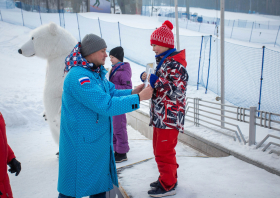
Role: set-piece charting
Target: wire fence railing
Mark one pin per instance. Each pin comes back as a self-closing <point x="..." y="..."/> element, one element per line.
<point x="251" y="74"/>
<point x="208" y="114"/>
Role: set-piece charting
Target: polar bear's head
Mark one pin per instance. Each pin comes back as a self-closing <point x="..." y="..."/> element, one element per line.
<point x="47" y="42"/>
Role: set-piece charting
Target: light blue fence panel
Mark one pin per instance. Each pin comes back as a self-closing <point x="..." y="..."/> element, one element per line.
<point x="88" y="26"/>
<point x="271" y="82"/>
<point x="136" y="44"/>
<point x="50" y="17"/>
<point x="242" y="73"/>
<point x="31" y="19"/>
<point x="12" y="16"/>
<point x="110" y="33"/>
<point x="71" y="24"/>
<point x="264" y="36"/>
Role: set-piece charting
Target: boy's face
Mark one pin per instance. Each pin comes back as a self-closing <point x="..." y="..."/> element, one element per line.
<point x="114" y="60"/>
<point x="159" y="49"/>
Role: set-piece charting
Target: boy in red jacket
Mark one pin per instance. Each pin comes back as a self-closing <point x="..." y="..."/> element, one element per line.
<point x="7" y="157"/>
<point x="167" y="111"/>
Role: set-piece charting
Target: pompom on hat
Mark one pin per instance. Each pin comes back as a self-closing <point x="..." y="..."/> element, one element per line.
<point x="163" y="35"/>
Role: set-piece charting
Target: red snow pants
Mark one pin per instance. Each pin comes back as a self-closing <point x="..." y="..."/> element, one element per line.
<point x="164" y="143"/>
<point x="6" y="155"/>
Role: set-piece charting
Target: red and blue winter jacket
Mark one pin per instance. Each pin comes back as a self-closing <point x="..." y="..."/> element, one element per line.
<point x="169" y="97"/>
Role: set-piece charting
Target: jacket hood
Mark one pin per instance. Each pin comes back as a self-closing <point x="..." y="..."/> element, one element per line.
<point x="179" y="57"/>
<point x="75" y="59"/>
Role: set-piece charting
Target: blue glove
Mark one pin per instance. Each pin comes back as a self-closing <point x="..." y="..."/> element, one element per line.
<point x="153" y="80"/>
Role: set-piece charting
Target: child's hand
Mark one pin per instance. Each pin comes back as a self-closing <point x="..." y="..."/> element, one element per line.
<point x="144" y="76"/>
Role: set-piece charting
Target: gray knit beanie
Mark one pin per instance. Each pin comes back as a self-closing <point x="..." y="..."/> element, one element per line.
<point x="92" y="43"/>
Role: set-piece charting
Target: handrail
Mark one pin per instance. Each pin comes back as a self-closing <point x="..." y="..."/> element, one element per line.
<point x="241" y="113"/>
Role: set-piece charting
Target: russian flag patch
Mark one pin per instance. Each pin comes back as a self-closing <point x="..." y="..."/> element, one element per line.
<point x="84" y="80"/>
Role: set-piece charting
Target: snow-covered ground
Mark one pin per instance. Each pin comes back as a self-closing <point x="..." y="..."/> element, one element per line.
<point x="21" y="93"/>
<point x="199" y="177"/>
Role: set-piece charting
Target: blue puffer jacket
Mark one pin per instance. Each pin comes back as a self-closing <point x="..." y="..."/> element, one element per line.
<point x="86" y="159"/>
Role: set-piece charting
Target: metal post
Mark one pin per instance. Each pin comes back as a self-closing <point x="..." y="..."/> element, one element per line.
<point x="63" y="18"/>
<point x="222" y="62"/>
<point x="120" y="34"/>
<point x="194" y="111"/>
<point x="232" y="28"/>
<point x="188" y="9"/>
<point x="60" y="17"/>
<point x="1" y="16"/>
<point x="199" y="63"/>
<point x="40" y="14"/>
<point x="277" y="36"/>
<point x="208" y="65"/>
<point x="177" y="25"/>
<point x="99" y="27"/>
<point x="251" y="32"/>
<point x="22" y="13"/>
<point x="78" y="26"/>
<point x="261" y="82"/>
<point x="252" y="126"/>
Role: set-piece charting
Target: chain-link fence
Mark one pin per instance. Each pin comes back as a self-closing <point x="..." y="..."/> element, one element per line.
<point x="251" y="74"/>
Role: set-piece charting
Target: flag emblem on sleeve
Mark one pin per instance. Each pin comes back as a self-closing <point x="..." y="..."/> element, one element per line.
<point x="84" y="80"/>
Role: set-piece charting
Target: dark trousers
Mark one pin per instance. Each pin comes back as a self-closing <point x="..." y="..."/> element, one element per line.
<point x="100" y="195"/>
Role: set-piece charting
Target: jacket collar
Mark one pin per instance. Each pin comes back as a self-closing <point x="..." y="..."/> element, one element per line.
<point x="75" y="59"/>
<point x="179" y="56"/>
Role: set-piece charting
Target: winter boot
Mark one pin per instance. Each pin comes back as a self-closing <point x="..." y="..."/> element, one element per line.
<point x="154" y="184"/>
<point x="115" y="154"/>
<point x="121" y="157"/>
<point x="159" y="191"/>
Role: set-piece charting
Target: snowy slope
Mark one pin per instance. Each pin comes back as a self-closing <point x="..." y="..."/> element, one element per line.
<point x="21" y="93"/>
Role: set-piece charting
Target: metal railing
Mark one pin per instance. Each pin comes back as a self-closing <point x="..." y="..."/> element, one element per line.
<point x="205" y="113"/>
<point x="213" y="117"/>
<point x="197" y="116"/>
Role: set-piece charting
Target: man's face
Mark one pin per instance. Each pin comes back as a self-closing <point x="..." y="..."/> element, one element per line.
<point x="98" y="58"/>
<point x="159" y="49"/>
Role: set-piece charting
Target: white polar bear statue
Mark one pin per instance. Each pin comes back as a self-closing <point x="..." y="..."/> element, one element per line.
<point x="52" y="43"/>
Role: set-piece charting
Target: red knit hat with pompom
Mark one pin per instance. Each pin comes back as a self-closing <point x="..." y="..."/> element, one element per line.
<point x="163" y="35"/>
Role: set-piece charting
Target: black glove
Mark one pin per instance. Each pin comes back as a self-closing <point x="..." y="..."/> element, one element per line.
<point x="15" y="166"/>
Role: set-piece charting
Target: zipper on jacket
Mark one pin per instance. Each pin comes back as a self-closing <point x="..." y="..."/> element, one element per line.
<point x="97" y="118"/>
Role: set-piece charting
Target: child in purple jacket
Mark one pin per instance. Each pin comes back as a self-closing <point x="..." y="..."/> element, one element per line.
<point x="120" y="75"/>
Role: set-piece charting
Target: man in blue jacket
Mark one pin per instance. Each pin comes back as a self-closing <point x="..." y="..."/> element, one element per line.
<point x="89" y="100"/>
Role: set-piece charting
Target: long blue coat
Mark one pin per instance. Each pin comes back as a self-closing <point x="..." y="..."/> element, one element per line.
<point x="86" y="159"/>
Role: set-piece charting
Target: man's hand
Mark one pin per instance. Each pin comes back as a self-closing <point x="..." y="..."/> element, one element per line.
<point x="15" y="166"/>
<point x="146" y="93"/>
<point x="144" y="76"/>
<point x="138" y="89"/>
